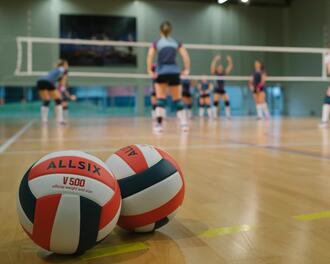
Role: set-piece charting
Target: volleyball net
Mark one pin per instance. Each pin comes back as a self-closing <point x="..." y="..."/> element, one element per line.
<point x="127" y="60"/>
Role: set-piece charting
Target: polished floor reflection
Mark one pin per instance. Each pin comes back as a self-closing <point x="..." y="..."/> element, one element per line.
<point x="246" y="182"/>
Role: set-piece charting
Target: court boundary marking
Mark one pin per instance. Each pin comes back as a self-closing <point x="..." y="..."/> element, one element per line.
<point x="16" y="136"/>
<point x="231" y="144"/>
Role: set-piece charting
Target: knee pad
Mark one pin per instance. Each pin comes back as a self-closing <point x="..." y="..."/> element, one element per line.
<point x="216" y="104"/>
<point x="227" y="103"/>
<point x="179" y="105"/>
<point x="45" y="103"/>
<point x="327" y="100"/>
<point x="161" y="103"/>
<point x="58" y="101"/>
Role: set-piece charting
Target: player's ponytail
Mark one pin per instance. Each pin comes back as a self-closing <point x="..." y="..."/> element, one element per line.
<point x="262" y="65"/>
<point x="61" y="63"/>
<point x="166" y="28"/>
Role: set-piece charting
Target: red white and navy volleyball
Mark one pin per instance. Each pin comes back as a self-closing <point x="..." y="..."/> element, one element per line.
<point x="68" y="201"/>
<point x="152" y="186"/>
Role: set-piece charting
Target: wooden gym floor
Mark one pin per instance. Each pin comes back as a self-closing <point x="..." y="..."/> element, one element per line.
<point x="257" y="192"/>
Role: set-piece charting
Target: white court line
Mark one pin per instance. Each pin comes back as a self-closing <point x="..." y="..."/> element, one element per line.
<point x="216" y="146"/>
<point x="12" y="139"/>
<point x="83" y="138"/>
<point x="176" y="147"/>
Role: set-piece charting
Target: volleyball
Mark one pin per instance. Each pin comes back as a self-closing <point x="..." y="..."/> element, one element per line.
<point x="152" y="186"/>
<point x="68" y="201"/>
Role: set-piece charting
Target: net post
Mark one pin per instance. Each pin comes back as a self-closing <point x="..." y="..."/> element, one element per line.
<point x="29" y="56"/>
<point x="19" y="56"/>
<point x="324" y="66"/>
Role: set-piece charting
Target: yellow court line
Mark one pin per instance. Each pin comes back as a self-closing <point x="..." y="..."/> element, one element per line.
<point x="313" y="216"/>
<point x="114" y="250"/>
<point x="225" y="231"/>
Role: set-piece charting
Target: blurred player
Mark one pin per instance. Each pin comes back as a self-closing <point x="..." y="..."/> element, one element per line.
<point x="220" y="93"/>
<point x="205" y="88"/>
<point x="46" y="87"/>
<point x="257" y="86"/>
<point x="187" y="96"/>
<point x="168" y="74"/>
<point x="66" y="97"/>
<point x="326" y="103"/>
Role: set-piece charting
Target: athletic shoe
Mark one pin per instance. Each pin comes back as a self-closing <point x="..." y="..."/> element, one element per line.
<point x="158" y="128"/>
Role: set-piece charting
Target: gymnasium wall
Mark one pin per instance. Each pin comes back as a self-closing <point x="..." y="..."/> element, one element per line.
<point x="307" y="26"/>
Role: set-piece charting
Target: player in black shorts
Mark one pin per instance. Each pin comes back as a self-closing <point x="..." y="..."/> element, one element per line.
<point x="168" y="74"/>
<point x="220" y="93"/>
<point x="187" y="96"/>
<point x="47" y="90"/>
<point x="205" y="87"/>
<point x="257" y="86"/>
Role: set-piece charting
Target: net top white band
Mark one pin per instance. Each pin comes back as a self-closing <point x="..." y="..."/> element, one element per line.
<point x="188" y="46"/>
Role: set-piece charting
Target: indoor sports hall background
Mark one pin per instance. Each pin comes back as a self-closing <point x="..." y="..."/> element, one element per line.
<point x="303" y="23"/>
<point x="250" y="188"/>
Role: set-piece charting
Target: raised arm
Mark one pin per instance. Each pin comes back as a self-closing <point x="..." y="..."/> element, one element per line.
<point x="186" y="60"/>
<point x="230" y="65"/>
<point x="214" y="63"/>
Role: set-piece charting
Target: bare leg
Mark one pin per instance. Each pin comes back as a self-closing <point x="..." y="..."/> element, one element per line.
<point x="161" y="90"/>
<point x="58" y="106"/>
<point x="209" y="108"/>
<point x="216" y="105"/>
<point x="258" y="105"/>
<point x="201" y="107"/>
<point x="176" y="92"/>
<point x="264" y="105"/>
<point x="153" y="105"/>
<point x="188" y="103"/>
<point x="44" y="110"/>
<point x="225" y="98"/>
